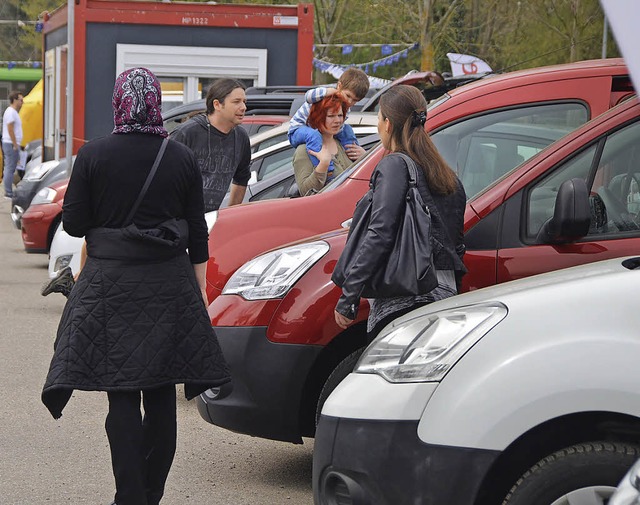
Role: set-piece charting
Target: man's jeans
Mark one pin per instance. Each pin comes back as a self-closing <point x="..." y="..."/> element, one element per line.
<point x="10" y="156"/>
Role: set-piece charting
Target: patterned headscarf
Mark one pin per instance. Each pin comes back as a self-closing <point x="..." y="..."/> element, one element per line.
<point x="136" y="103"/>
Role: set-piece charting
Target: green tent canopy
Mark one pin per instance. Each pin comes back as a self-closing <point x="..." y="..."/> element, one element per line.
<point x="20" y="74"/>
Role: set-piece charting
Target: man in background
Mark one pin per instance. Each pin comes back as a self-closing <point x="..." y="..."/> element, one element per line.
<point x="11" y="139"/>
<point x="220" y="144"/>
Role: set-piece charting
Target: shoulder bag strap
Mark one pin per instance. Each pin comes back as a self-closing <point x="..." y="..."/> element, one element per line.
<point x="413" y="169"/>
<point x="145" y="187"/>
<point x="431" y="205"/>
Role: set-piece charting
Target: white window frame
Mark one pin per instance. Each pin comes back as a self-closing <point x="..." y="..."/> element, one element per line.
<point x="192" y="63"/>
<point x="50" y="100"/>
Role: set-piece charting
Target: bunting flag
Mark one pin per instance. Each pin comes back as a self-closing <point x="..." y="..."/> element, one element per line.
<point x="336" y="70"/>
<point x="463" y="64"/>
<point x="14" y="64"/>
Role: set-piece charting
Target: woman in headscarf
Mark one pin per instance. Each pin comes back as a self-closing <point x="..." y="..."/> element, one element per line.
<point x="136" y="323"/>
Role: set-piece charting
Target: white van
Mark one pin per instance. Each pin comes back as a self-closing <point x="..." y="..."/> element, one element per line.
<point x="526" y="393"/>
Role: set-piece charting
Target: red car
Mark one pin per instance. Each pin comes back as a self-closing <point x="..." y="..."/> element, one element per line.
<point x="552" y="101"/>
<point x="39" y="222"/>
<point x="275" y="319"/>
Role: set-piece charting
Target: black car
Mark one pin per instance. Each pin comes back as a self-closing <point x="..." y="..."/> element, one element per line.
<point x="261" y="101"/>
<point x="39" y="177"/>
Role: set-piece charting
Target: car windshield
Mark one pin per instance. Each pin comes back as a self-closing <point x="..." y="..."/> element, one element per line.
<point x="347" y="173"/>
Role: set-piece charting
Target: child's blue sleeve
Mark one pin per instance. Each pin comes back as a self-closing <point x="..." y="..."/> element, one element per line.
<point x="302" y="114"/>
<point x="315" y="95"/>
<point x="346" y="136"/>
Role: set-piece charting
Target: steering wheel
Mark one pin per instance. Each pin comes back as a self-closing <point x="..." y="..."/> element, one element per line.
<point x="633" y="178"/>
<point x="617" y="211"/>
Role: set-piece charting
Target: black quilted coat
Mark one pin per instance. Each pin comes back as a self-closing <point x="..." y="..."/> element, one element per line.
<point x="132" y="324"/>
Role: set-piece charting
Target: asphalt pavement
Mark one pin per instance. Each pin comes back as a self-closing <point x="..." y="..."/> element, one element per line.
<point x="49" y="462"/>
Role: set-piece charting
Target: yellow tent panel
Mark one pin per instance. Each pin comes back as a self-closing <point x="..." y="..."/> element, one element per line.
<point x="32" y="114"/>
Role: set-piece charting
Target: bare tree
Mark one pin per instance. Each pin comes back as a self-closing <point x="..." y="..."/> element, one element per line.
<point x="570" y="21"/>
<point x="328" y="16"/>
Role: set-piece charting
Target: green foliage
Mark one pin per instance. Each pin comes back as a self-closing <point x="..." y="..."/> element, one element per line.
<point x="17" y="42"/>
<point x="507" y="34"/>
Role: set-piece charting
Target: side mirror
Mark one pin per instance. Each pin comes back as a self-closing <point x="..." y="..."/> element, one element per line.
<point x="571" y="215"/>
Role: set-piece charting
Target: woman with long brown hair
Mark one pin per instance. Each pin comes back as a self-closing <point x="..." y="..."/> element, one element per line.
<point x="401" y="120"/>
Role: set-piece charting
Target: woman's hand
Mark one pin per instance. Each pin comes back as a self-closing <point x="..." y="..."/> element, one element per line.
<point x="324" y="158"/>
<point x="205" y="298"/>
<point x="354" y="151"/>
<point x="341" y="320"/>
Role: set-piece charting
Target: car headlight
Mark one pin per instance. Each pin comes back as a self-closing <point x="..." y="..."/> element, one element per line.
<point x="628" y="492"/>
<point x="272" y="274"/>
<point x="62" y="261"/>
<point x="425" y="348"/>
<point x="45" y="195"/>
<point x="41" y="170"/>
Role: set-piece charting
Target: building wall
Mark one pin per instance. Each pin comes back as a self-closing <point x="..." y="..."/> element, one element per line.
<point x="56" y="38"/>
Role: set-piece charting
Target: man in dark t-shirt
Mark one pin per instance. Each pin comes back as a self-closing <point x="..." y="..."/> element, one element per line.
<point x="220" y="145"/>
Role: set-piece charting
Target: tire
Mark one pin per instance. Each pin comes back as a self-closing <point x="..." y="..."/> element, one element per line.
<point x="592" y="468"/>
<point x="344" y="368"/>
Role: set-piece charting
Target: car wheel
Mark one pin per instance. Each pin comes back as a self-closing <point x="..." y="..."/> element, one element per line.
<point x="583" y="474"/>
<point x="344" y="368"/>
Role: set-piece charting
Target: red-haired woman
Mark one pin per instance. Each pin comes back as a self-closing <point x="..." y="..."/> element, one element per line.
<point x="326" y="116"/>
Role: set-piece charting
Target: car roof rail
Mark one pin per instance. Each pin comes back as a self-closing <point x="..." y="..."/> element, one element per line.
<point x="267" y="90"/>
<point x="433" y="92"/>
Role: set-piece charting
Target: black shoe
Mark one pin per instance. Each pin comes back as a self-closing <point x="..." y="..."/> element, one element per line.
<point x="61" y="283"/>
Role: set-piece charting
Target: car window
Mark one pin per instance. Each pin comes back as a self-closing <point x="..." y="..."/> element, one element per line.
<point x="276" y="191"/>
<point x="172" y="123"/>
<point x="269" y="142"/>
<point x="614" y="186"/>
<point x="276" y="162"/>
<point x="486" y="147"/>
<point x="350" y="170"/>
<point x="282" y="160"/>
<point x="542" y="197"/>
<point x="264" y="127"/>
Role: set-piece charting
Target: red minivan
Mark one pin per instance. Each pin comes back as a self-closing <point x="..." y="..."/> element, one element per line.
<point x="275" y="319"/>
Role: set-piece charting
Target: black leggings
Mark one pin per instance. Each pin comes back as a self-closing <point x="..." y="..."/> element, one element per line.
<point x="142" y="449"/>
